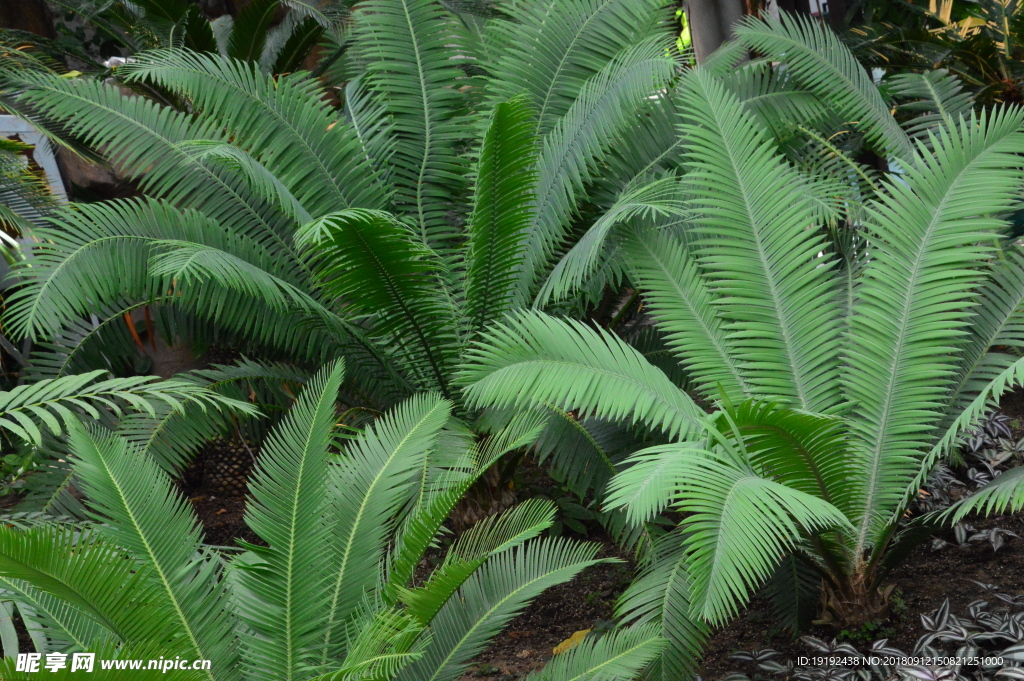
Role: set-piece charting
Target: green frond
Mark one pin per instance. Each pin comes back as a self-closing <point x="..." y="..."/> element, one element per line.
<point x="487" y="538"/>
<point x="969" y="417"/>
<point x="1005" y="494"/>
<point x="682" y="302"/>
<point x="490" y="598"/>
<point x="930" y="233"/>
<point x="774" y="98"/>
<point x="436" y="498"/>
<point x="620" y="654"/>
<point x="172" y="437"/>
<point x="533" y="359"/>
<point x="998" y="322"/>
<point x="651" y="479"/>
<point x="772" y="288"/>
<point x="282" y="121"/>
<point x="820" y="62"/>
<point x="739" y="525"/>
<point x="794" y="592"/>
<point x="140" y="511"/>
<point x="937" y="99"/>
<point x="92" y="575"/>
<point x="379" y="267"/>
<point x="384" y="646"/>
<point x="582" y="455"/>
<point x="664" y="198"/>
<point x="52" y="622"/>
<point x="808" y="452"/>
<point x="605" y="107"/>
<point x="55" y="401"/>
<point x="411" y="54"/>
<point x="142" y="140"/>
<point x="282" y="589"/>
<point x="502" y="210"/>
<point x="249" y="30"/>
<point x="260" y="179"/>
<point x="369" y="121"/>
<point x="550" y="49"/>
<point x="372" y="480"/>
<point x="662" y="593"/>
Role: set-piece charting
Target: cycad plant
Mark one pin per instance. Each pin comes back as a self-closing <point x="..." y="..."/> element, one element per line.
<point x="841" y="359"/>
<point x="979" y="41"/>
<point x="389" y="230"/>
<point x="277" y="35"/>
<point x="331" y="590"/>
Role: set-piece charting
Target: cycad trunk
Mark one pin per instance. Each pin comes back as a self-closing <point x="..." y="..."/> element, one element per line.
<point x="857" y="601"/>
<point x="711" y="23"/>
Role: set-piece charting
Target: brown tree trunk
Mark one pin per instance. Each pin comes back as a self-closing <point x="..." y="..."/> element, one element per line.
<point x="793" y="6"/>
<point x="837" y="14"/>
<point x="27" y="15"/>
<point x="711" y="23"/>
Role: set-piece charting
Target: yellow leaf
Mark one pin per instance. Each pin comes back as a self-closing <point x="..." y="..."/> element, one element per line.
<point x="571" y="642"/>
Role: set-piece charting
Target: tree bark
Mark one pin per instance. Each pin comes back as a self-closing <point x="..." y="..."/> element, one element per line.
<point x="711" y="24"/>
<point x="801" y="6"/>
<point x="27" y="15"/>
<point x="837" y="14"/>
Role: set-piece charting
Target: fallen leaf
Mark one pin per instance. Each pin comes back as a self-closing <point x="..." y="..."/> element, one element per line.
<point x="571" y="642"/>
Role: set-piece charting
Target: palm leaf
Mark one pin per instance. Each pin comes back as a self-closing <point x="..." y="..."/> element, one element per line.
<point x="54" y="401"/>
<point x="141" y="512"/>
<point x="502" y="209"/>
<point x="534" y="359"/>
<point x="772" y="288"/>
<point x="410" y="49"/>
<point x="620" y="654"/>
<point x="550" y="49"/>
<point x="284" y="606"/>
<point x="821" y="63"/>
<point x="372" y="481"/>
<point x="681" y="299"/>
<point x="377" y="265"/>
<point x="283" y="122"/>
<point x="570" y="152"/>
<point x="490" y="598"/>
<point x="929" y="233"/>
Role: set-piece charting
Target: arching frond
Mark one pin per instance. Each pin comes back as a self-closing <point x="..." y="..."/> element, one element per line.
<point x="1005" y="494"/>
<point x="682" y="302"/>
<point x="502" y="209"/>
<point x="618" y="655"/>
<point x="282" y="586"/>
<point x="820" y="62"/>
<point x="533" y="359"/>
<point x="142" y="139"/>
<point x="411" y="51"/>
<point x="495" y="594"/>
<point x="937" y="99"/>
<point x="551" y="48"/>
<point x="380" y="267"/>
<point x="141" y="512"/>
<point x="284" y="122"/>
<point x="661" y="198"/>
<point x="55" y="401"/>
<point x="662" y="593"/>
<point x="739" y="525"/>
<point x="930" y="232"/>
<point x="605" y="106"/>
<point x="773" y="289"/>
<point x="369" y="484"/>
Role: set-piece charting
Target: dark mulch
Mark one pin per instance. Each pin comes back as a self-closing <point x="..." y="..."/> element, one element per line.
<point x="922" y="584"/>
